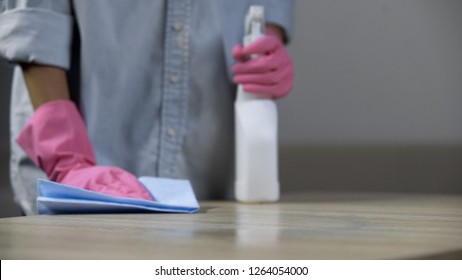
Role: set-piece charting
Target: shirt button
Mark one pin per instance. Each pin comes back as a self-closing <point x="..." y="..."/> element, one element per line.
<point x="174" y="79"/>
<point x="171" y="132"/>
<point x="177" y="26"/>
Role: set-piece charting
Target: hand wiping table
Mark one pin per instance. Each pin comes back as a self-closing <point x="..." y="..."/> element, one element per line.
<point x="170" y="195"/>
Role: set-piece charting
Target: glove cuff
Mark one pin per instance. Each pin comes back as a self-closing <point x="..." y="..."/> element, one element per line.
<point x="55" y="138"/>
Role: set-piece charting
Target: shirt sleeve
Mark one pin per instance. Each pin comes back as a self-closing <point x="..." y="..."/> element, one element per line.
<point x="33" y="31"/>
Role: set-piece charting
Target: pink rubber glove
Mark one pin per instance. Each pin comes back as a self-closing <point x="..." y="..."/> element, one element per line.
<point x="270" y="73"/>
<point x="56" y="140"/>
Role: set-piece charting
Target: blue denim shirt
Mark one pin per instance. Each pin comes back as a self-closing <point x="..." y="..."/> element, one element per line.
<point x="151" y="78"/>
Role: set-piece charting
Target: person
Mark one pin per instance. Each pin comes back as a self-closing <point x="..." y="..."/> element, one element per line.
<point x="107" y="90"/>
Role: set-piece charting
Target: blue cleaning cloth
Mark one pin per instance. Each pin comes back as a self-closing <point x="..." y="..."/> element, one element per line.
<point x="170" y="195"/>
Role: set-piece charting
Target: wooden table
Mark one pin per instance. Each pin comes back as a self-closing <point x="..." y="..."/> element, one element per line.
<point x="302" y="226"/>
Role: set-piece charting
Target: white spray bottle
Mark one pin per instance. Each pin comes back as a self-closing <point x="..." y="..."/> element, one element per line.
<point x="256" y="132"/>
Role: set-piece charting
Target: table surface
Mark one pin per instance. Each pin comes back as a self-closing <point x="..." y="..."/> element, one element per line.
<point x="301" y="226"/>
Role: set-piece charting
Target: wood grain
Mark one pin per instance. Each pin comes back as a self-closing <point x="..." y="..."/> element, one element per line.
<point x="301" y="226"/>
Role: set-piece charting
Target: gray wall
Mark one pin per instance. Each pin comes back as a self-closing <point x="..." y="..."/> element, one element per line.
<point x="376" y="72"/>
<point x="5" y="78"/>
<point x="7" y="206"/>
<point x="377" y="103"/>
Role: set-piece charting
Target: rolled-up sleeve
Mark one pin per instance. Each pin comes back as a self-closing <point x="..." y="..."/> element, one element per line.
<point x="36" y="32"/>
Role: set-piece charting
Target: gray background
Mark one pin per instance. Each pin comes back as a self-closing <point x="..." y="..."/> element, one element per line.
<point x="376" y="71"/>
<point x="377" y="103"/>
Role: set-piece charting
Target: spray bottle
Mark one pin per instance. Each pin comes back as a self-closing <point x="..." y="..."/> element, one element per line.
<point x="256" y="132"/>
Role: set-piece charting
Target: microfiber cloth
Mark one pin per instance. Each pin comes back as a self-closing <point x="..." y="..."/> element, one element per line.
<point x="170" y="195"/>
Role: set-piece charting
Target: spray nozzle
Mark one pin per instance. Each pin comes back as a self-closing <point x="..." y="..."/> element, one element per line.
<point x="255" y="20"/>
